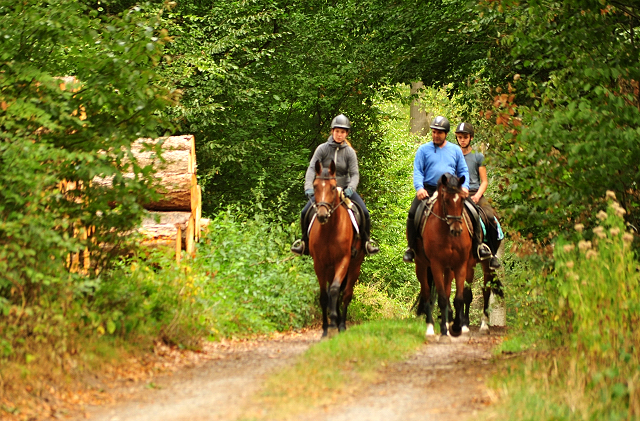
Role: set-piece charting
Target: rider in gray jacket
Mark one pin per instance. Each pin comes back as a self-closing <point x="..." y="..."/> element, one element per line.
<point x="338" y="149"/>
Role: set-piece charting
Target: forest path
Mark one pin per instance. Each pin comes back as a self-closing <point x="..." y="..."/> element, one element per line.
<point x="443" y="380"/>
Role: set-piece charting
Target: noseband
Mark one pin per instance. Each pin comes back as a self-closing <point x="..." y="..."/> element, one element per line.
<point x="329" y="206"/>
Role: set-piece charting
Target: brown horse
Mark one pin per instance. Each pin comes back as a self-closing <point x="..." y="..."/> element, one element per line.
<point x="490" y="284"/>
<point x="444" y="251"/>
<point x="336" y="251"/>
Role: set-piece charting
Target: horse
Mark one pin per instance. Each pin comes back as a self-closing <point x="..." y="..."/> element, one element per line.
<point x="443" y="253"/>
<point x="335" y="248"/>
<point x="490" y="284"/>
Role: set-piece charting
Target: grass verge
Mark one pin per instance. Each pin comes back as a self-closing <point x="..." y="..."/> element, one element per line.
<point x="330" y="369"/>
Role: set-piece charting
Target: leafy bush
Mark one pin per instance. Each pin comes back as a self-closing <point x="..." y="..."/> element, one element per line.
<point x="589" y="307"/>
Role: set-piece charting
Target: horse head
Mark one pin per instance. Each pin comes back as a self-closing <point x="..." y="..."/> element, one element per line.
<point x="451" y="195"/>
<point x="325" y="190"/>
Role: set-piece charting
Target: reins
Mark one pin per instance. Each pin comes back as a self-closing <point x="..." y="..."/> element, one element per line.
<point x="449" y="219"/>
<point x="329" y="206"/>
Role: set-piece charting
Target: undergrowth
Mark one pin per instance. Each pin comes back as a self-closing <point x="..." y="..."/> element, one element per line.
<point x="582" y="359"/>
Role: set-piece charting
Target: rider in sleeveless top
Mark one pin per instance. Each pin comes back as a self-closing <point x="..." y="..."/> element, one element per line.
<point x="432" y="160"/>
<point x="478" y="180"/>
<point x="338" y="149"/>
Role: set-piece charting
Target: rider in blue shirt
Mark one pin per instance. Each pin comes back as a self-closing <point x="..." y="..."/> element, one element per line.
<point x="432" y="160"/>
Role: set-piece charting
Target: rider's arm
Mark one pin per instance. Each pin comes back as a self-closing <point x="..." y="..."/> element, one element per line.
<point x="418" y="174"/>
<point x="354" y="172"/>
<point x="484" y="181"/>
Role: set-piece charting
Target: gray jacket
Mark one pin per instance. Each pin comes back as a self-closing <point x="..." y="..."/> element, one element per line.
<point x="347" y="173"/>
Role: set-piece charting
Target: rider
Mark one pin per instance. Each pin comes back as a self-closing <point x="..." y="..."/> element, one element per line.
<point x="432" y="160"/>
<point x="478" y="180"/>
<point x="338" y="149"/>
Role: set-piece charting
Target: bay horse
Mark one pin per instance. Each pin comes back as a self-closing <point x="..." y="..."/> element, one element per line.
<point x="490" y="284"/>
<point x="336" y="250"/>
<point x="443" y="251"/>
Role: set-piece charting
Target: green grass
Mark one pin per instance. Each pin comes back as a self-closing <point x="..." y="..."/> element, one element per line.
<point x="331" y="368"/>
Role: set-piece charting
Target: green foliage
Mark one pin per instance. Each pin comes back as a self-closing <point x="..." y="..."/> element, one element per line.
<point x="261" y="82"/>
<point x="250" y="282"/>
<point x="591" y="308"/>
<point x="575" y="69"/>
<point x="56" y="130"/>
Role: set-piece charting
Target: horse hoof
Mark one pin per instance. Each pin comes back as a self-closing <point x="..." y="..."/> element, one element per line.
<point x="342" y="327"/>
<point x="444" y="339"/>
<point x="484" y="328"/>
<point x="430" y="332"/>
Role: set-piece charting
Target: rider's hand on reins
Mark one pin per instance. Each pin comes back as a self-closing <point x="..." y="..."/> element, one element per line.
<point x="422" y="194"/>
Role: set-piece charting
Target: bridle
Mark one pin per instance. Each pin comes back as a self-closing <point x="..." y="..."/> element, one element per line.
<point x="329" y="206"/>
<point x="449" y="219"/>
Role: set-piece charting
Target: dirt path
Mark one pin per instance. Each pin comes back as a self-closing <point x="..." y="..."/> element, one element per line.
<point x="439" y="382"/>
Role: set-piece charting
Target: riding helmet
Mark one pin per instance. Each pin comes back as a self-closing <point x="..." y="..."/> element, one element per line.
<point x="465" y="128"/>
<point x="341" y="121"/>
<point x="440" y="123"/>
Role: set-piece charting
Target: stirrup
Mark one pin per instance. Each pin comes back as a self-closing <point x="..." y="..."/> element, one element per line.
<point x="298" y="247"/>
<point x="484" y="252"/>
<point x="371" y="247"/>
<point x="409" y="255"/>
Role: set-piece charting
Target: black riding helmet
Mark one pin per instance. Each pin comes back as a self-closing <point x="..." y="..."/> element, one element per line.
<point x="341" y="121"/>
<point x="465" y="128"/>
<point x="440" y="123"/>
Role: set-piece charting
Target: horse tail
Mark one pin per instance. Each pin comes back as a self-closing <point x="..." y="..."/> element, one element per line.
<point x="419" y="305"/>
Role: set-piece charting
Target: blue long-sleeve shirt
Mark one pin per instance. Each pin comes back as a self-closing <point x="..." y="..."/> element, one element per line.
<point x="431" y="162"/>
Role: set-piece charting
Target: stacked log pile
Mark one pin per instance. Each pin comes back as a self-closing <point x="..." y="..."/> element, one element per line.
<point x="176" y="217"/>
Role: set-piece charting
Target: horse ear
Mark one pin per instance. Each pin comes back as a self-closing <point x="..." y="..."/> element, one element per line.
<point x="318" y="167"/>
<point x="332" y="167"/>
<point x="462" y="180"/>
<point x="443" y="180"/>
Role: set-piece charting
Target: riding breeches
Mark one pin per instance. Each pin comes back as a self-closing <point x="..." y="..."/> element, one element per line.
<point x="365" y="232"/>
<point x="412" y="230"/>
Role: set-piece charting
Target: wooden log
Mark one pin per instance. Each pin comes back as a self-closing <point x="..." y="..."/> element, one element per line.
<point x="179" y="152"/>
<point x="165" y="225"/>
<point x="198" y="213"/>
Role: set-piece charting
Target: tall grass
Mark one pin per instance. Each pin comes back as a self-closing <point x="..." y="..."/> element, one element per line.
<point x="587" y="365"/>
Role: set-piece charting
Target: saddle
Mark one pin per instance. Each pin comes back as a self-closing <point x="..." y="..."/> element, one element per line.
<point x="425" y="207"/>
<point x="355" y="215"/>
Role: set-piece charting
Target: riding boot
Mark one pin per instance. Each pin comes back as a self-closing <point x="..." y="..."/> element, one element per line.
<point x="483" y="252"/>
<point x="300" y="246"/>
<point x="370" y="245"/>
<point x="410" y="254"/>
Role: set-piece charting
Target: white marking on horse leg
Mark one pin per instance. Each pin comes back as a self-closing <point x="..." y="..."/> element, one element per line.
<point x="465" y="330"/>
<point x="484" y="327"/>
<point x="430" y="331"/>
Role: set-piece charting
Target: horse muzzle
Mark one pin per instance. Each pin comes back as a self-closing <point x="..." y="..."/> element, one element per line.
<point x="455" y="229"/>
<point x="322" y="217"/>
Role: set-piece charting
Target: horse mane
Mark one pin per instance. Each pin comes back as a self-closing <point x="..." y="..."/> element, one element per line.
<point x="453" y="183"/>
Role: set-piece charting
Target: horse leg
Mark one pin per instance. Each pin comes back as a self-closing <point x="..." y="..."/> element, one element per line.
<point x="425" y="277"/>
<point x="458" y="300"/>
<point x="352" y="277"/>
<point x="334" y="292"/>
<point x="468" y="297"/>
<point x="486" y="295"/>
<point x="324" y="301"/>
<point x="443" y="298"/>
